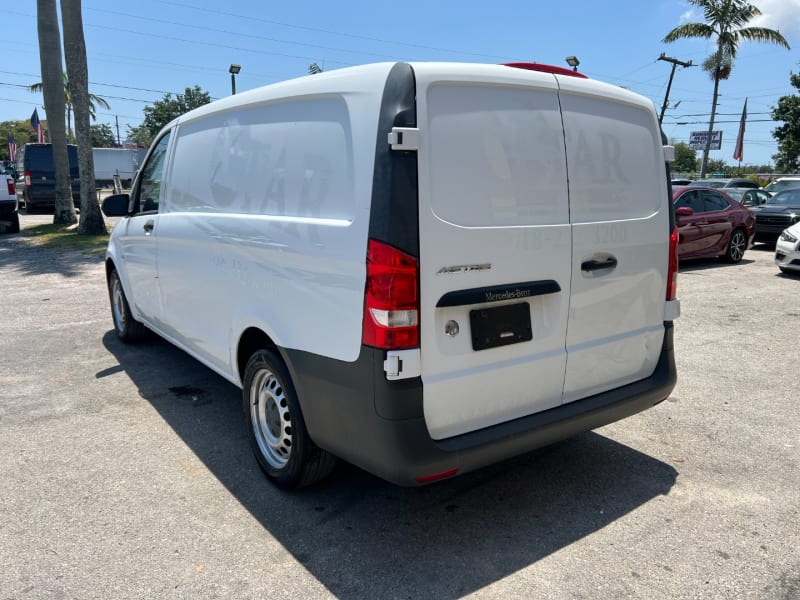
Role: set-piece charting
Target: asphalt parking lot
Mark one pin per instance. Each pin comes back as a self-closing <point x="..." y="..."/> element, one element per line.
<point x="126" y="472"/>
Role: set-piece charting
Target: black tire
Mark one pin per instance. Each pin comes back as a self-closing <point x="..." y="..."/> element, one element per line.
<point x="736" y="246"/>
<point x="14" y="226"/>
<point x="127" y="328"/>
<point x="275" y="425"/>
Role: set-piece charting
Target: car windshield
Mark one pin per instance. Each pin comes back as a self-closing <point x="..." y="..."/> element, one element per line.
<point x="779" y="186"/>
<point x="735" y="194"/>
<point x="713" y="183"/>
<point x="787" y="198"/>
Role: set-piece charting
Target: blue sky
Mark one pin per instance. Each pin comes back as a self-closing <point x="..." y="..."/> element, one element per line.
<point x="138" y="51"/>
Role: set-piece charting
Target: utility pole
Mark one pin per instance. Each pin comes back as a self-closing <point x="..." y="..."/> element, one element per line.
<point x="675" y="62"/>
<point x="116" y="119"/>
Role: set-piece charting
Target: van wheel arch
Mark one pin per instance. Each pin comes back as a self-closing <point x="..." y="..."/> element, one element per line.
<point x="252" y="340"/>
<point x="275" y="425"/>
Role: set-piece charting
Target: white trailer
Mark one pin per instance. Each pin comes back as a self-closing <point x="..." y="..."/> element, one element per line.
<point x="116" y="161"/>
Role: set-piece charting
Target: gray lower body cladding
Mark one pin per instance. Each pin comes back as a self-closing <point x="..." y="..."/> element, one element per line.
<point x="352" y="411"/>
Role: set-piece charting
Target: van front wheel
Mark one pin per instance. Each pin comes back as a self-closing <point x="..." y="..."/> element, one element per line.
<point x="126" y="327"/>
<point x="275" y="425"/>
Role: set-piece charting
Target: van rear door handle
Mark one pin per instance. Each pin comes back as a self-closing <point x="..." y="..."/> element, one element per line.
<point x="148" y="226"/>
<point x="597" y="265"/>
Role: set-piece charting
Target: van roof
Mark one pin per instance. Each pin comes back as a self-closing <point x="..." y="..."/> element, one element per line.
<point x="370" y="79"/>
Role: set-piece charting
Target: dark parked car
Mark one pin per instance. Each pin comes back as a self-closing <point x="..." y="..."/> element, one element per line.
<point x="711" y="223"/>
<point x="782" y="211"/>
<point x="731" y="182"/>
<point x="35" y="166"/>
<point x="748" y="197"/>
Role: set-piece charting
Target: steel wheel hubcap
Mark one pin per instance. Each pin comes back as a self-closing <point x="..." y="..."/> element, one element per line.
<point x="272" y="423"/>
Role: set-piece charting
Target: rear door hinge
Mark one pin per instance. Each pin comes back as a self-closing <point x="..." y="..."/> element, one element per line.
<point x="402" y="364"/>
<point x="404" y="138"/>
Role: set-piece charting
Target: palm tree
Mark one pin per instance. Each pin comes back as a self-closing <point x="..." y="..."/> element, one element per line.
<point x="93" y="100"/>
<point x="726" y="20"/>
<point x="50" y="60"/>
<point x="91" y="221"/>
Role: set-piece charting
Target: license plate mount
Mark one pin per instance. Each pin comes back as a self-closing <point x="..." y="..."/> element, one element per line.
<point x="500" y="325"/>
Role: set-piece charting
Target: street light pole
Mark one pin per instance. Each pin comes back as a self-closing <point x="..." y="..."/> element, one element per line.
<point x="234" y="71"/>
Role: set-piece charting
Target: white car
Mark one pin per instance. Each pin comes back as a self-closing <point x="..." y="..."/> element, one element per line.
<point x="787" y="250"/>
<point x="9" y="209"/>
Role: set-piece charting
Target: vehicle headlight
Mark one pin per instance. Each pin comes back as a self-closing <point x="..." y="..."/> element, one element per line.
<point x="788" y="237"/>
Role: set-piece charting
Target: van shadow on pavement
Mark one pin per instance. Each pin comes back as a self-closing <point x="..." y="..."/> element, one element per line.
<point x="362" y="537"/>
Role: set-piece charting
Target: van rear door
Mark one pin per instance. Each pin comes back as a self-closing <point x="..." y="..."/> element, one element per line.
<point x="619" y="210"/>
<point x="495" y="245"/>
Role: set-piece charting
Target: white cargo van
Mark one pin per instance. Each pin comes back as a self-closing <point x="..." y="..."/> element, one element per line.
<point x="420" y="268"/>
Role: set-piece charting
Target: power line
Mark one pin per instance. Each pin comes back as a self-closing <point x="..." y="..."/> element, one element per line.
<point x="328" y="31"/>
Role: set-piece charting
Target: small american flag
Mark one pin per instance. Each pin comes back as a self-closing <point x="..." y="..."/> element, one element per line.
<point x="12" y="149"/>
<point x="37" y="125"/>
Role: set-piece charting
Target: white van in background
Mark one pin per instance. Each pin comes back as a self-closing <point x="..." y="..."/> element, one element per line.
<point x="420" y="268"/>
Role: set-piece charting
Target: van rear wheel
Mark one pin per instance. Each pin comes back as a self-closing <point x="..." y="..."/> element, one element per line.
<point x="276" y="428"/>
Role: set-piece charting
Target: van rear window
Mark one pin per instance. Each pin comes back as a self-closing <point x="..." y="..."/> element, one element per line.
<point x="496" y="155"/>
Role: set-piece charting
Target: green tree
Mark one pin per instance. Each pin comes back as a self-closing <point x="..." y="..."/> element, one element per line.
<point x="787" y="160"/>
<point x="726" y="21"/>
<point x="53" y="89"/>
<point x="69" y="105"/>
<point x="21" y="131"/>
<point x="139" y="135"/>
<point x="103" y="136"/>
<point x="717" y="165"/>
<point x="685" y="158"/>
<point x="91" y="219"/>
<point x="168" y="108"/>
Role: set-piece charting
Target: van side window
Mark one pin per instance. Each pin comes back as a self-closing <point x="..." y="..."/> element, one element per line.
<point x="152" y="172"/>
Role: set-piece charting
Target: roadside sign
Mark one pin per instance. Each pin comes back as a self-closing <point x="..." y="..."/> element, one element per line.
<point x="697" y="140"/>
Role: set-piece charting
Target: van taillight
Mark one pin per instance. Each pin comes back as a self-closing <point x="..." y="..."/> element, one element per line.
<point x="12" y="190"/>
<point x="672" y="275"/>
<point x="391" y="298"/>
<point x="27" y="179"/>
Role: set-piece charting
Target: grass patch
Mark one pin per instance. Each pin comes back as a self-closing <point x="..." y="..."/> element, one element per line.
<point x="67" y="238"/>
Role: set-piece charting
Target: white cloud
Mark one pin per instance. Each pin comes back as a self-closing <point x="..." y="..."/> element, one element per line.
<point x="690" y="16"/>
<point x="783" y="15"/>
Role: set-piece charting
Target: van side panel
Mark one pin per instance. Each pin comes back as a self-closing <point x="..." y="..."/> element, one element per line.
<point x="619" y="210"/>
<point x="268" y="207"/>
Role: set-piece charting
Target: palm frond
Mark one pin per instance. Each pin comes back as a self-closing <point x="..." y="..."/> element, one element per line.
<point x="689" y="30"/>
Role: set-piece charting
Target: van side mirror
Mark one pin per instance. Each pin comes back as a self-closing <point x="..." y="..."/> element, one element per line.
<point x="116" y="205"/>
<point x="684" y="211"/>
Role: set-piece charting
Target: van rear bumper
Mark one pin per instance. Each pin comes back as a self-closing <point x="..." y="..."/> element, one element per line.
<point x="352" y="411"/>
